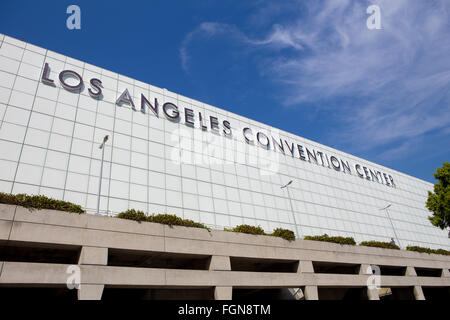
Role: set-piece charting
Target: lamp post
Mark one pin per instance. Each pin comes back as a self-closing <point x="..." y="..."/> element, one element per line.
<point x="390" y="220"/>
<point x="292" y="208"/>
<point x="102" y="147"/>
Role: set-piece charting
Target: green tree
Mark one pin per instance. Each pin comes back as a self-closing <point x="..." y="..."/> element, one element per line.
<point x="438" y="201"/>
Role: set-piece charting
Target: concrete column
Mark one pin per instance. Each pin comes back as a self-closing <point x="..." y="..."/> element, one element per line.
<point x="220" y="263"/>
<point x="372" y="294"/>
<point x="94" y="256"/>
<point x="311" y="293"/>
<point x="90" y="292"/>
<point x="445" y="273"/>
<point x="305" y="266"/>
<point x="364" y="269"/>
<point x="418" y="293"/>
<point x="411" y="271"/>
<point x="223" y="293"/>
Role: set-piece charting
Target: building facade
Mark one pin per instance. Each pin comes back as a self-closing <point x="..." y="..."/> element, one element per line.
<point x="167" y="153"/>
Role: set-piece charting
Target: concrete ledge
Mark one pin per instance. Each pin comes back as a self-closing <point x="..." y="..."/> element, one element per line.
<point x="46" y="233"/>
<point x="85" y="221"/>
<point x="40" y="273"/>
<point x="33" y="273"/>
<point x="50" y="217"/>
<point x="5" y="229"/>
<point x="7" y="212"/>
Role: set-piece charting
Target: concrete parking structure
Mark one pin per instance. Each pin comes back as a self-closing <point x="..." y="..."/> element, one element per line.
<point x="120" y="258"/>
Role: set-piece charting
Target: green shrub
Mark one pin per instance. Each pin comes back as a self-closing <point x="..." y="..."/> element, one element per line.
<point x="173" y="220"/>
<point x="284" y="233"/>
<point x="278" y="232"/>
<point x="39" y="202"/>
<point x="245" y="228"/>
<point x="380" y="244"/>
<point x="167" y="219"/>
<point x="428" y="250"/>
<point x="327" y="238"/>
<point x="193" y="224"/>
<point x="133" y="215"/>
<point x="443" y="252"/>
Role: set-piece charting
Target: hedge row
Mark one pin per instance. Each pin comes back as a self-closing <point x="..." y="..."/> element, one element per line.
<point x="39" y="202"/>
<point x="284" y="233"/>
<point x="380" y="244"/>
<point x="278" y="232"/>
<point x="428" y="250"/>
<point x="173" y="220"/>
<point x="327" y="238"/>
<point x="168" y="219"/>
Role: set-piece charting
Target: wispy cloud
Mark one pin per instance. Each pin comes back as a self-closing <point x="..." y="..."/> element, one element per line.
<point x="207" y="30"/>
<point x="394" y="82"/>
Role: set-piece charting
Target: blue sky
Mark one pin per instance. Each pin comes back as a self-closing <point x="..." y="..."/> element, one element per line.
<point x="309" y="67"/>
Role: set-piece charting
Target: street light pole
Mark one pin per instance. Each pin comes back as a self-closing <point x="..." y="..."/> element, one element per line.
<point x="292" y="208"/>
<point x="102" y="147"/>
<point x="390" y="220"/>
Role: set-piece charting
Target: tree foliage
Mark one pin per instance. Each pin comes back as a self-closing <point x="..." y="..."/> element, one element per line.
<point x="439" y="201"/>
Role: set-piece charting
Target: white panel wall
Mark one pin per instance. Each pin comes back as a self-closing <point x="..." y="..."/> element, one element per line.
<point x="49" y="141"/>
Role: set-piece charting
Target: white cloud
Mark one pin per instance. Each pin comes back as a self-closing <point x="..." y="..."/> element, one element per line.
<point x="396" y="80"/>
<point x="208" y="30"/>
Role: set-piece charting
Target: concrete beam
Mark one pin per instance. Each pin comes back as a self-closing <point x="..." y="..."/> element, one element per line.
<point x="33" y="273"/>
<point x="7" y="212"/>
<point x="311" y="293"/>
<point x="220" y="263"/>
<point x="223" y="293"/>
<point x="418" y="293"/>
<point x="93" y="256"/>
<point x="41" y="273"/>
<point x="5" y="229"/>
<point x="90" y="292"/>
